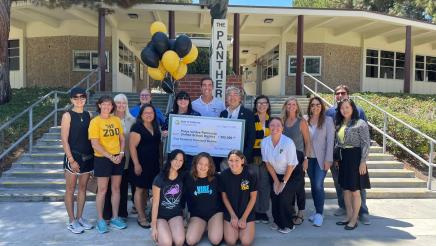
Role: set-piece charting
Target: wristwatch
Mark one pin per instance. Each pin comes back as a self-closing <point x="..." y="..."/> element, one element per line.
<point x="305" y="157"/>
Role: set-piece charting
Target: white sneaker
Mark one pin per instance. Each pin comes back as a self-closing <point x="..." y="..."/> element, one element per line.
<point x="318" y="220"/>
<point x="75" y="227"/>
<point x="85" y="224"/>
<point x="286" y="230"/>
<point x="274" y="226"/>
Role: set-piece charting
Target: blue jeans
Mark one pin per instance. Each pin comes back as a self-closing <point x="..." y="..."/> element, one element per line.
<point x="316" y="176"/>
<point x="340" y="194"/>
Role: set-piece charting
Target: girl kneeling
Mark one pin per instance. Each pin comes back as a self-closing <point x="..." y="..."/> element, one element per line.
<point x="239" y="190"/>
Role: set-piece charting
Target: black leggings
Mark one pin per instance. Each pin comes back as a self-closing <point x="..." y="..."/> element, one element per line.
<point x="300" y="195"/>
<point x="124" y="189"/>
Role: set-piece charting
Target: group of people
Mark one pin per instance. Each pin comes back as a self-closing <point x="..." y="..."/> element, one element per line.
<point x="225" y="196"/>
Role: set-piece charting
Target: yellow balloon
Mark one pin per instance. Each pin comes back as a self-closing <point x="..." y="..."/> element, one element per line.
<point x="181" y="71"/>
<point x="170" y="61"/>
<point x="155" y="73"/>
<point x="162" y="68"/>
<point x="191" y="56"/>
<point x="157" y="26"/>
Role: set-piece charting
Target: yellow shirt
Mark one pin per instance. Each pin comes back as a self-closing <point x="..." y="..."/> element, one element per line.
<point x="107" y="131"/>
<point x="341" y="134"/>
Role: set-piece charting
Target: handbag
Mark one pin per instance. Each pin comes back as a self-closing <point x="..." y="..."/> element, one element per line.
<point x="337" y="155"/>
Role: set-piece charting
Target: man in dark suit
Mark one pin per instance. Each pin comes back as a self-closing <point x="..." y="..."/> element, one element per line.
<point x="236" y="110"/>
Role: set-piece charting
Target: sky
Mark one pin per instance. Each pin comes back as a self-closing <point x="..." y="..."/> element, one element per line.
<point x="285" y="3"/>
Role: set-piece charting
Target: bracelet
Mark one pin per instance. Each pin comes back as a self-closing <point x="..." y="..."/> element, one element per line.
<point x="122" y="153"/>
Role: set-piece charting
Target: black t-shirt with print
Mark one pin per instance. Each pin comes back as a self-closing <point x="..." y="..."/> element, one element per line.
<point x="171" y="202"/>
<point x="202" y="196"/>
<point x="238" y="189"/>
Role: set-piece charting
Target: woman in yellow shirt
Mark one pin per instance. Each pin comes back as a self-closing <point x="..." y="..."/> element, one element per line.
<point x="107" y="138"/>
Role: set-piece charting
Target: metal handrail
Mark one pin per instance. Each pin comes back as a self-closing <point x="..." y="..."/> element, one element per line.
<point x="383" y="131"/>
<point x="29" y="110"/>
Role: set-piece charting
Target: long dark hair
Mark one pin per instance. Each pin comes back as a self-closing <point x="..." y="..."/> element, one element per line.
<point x="268" y="111"/>
<point x="239" y="154"/>
<point x="321" y="114"/>
<point x="171" y="156"/>
<point x="154" y="123"/>
<point x="106" y="98"/>
<point x="339" y="119"/>
<point x="178" y="96"/>
<point x="211" y="167"/>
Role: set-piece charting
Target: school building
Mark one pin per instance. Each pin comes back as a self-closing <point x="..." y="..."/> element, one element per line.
<point x="273" y="46"/>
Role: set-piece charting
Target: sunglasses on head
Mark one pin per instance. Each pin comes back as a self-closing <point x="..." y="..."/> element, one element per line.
<point x="79" y="97"/>
<point x="183" y="98"/>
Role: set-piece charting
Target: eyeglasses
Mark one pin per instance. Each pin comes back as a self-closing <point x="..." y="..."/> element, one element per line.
<point x="145" y="95"/>
<point x="183" y="98"/>
<point x="315" y="105"/>
<point x="342" y="93"/>
<point x="262" y="103"/>
<point x="77" y="97"/>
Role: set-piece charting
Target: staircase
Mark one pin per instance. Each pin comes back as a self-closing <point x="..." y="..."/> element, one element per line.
<point x="39" y="176"/>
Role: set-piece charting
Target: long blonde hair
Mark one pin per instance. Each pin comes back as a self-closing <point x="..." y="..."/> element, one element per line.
<point x="285" y="114"/>
<point x="121" y="97"/>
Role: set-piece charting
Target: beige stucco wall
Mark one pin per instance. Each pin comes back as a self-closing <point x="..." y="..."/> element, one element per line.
<point x="49" y="60"/>
<point x="340" y="64"/>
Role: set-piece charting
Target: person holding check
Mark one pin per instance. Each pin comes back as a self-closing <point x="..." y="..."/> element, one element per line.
<point x="107" y="138"/>
<point x="279" y="154"/>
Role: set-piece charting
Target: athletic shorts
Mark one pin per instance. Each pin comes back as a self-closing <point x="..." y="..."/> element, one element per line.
<point x="86" y="166"/>
<point x="168" y="217"/>
<point x="103" y="167"/>
<point x="204" y="217"/>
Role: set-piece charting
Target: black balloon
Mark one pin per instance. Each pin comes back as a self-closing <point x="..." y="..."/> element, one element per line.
<point x="160" y="43"/>
<point x="171" y="44"/>
<point x="183" y="45"/>
<point x="168" y="85"/>
<point x="150" y="57"/>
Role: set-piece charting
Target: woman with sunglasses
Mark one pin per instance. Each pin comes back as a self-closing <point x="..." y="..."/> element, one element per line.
<point x="78" y="159"/>
<point x="182" y="105"/>
<point x="322" y="137"/>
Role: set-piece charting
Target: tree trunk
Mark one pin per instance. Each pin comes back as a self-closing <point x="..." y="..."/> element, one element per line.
<point x="5" y="85"/>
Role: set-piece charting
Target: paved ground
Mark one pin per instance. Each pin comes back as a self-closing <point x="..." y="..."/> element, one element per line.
<point x="395" y="222"/>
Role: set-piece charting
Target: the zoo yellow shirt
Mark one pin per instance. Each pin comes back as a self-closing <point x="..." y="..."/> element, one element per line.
<point x="107" y="131"/>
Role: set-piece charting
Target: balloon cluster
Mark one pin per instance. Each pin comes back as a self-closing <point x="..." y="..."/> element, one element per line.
<point x="163" y="55"/>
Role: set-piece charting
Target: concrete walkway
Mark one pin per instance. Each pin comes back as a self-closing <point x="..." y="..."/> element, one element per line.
<point x="394" y="222"/>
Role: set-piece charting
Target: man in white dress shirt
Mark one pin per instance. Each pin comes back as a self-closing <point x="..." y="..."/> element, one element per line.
<point x="207" y="104"/>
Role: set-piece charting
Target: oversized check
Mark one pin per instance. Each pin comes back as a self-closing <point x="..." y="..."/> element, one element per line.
<point x="195" y="134"/>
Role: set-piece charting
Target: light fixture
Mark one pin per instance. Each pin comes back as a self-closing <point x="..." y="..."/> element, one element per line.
<point x="133" y="16"/>
<point x="268" y="20"/>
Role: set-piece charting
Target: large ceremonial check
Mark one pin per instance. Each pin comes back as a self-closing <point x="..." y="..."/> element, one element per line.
<point x="195" y="134"/>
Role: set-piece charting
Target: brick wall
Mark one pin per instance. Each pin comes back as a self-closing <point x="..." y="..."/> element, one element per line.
<point x="191" y="83"/>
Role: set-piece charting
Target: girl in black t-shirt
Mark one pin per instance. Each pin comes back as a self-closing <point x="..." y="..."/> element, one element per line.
<point x="204" y="201"/>
<point x="239" y="192"/>
<point x="167" y="209"/>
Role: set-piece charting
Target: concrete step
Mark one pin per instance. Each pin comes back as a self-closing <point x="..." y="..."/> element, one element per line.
<point x="381" y="182"/>
<point x="47" y="156"/>
<point x="33" y="173"/>
<point x="38" y="164"/>
<point x="12" y="182"/>
<point x="52" y="148"/>
<point x="384" y="165"/>
<point x="43" y="195"/>
<point x="387" y="173"/>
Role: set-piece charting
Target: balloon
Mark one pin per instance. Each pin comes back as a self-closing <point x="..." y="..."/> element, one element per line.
<point x="150" y="57"/>
<point x="168" y="85"/>
<point x="155" y="73"/>
<point x="171" y="44"/>
<point x="191" y="56"/>
<point x="183" y="45"/>
<point x="170" y="61"/>
<point x="162" y="68"/>
<point x="160" y="43"/>
<point x="157" y="26"/>
<point x="181" y="71"/>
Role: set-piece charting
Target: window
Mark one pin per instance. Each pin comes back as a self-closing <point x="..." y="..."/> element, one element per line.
<point x="126" y="60"/>
<point x="384" y="64"/>
<point x="425" y="68"/>
<point x="87" y="60"/>
<point x="270" y="63"/>
<point x="14" y="54"/>
<point x="312" y="65"/>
